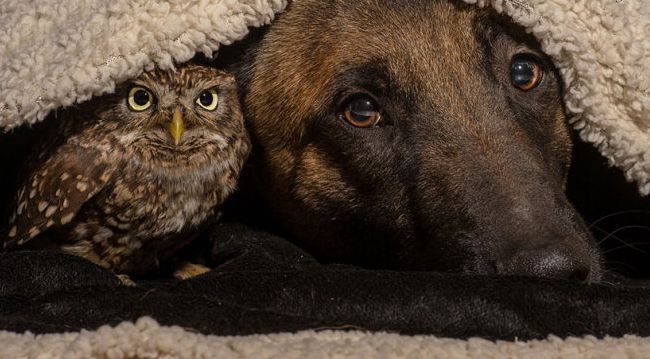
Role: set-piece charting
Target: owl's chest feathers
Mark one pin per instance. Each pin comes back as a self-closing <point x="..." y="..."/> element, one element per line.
<point x="161" y="203"/>
<point x="143" y="217"/>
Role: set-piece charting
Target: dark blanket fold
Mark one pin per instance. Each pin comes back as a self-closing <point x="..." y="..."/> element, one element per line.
<point x="264" y="284"/>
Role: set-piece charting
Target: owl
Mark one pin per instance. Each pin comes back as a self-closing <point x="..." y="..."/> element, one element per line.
<point x="128" y="179"/>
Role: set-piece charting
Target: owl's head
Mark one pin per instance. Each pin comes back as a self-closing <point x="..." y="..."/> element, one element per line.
<point x="185" y="115"/>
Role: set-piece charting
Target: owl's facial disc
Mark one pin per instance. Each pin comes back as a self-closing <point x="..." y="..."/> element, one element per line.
<point x="177" y="126"/>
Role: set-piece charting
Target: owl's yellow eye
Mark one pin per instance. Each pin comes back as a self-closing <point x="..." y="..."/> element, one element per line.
<point x="208" y="99"/>
<point x="139" y="99"/>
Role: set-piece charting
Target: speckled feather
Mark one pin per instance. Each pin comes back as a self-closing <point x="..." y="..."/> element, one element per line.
<point x="117" y="190"/>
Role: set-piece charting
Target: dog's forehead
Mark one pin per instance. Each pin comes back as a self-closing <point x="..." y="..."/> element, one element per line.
<point x="420" y="46"/>
<point x="416" y="42"/>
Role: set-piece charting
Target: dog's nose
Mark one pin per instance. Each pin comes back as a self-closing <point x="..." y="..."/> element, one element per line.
<point x="554" y="262"/>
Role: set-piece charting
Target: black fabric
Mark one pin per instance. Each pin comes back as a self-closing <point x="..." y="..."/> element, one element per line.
<point x="264" y="284"/>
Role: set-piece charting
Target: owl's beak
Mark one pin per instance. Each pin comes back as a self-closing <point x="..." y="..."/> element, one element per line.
<point x="177" y="126"/>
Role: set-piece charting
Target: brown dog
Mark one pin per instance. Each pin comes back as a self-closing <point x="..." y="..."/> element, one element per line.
<point x="414" y="134"/>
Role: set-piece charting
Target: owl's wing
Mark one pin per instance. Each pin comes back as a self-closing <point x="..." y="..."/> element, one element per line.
<point x="55" y="191"/>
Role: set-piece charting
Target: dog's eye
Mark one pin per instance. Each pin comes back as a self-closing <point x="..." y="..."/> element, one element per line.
<point x="526" y="72"/>
<point x="361" y="112"/>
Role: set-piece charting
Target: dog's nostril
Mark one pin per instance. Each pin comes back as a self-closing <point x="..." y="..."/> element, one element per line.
<point x="547" y="262"/>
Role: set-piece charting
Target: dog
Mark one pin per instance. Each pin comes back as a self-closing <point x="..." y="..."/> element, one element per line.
<point x="413" y="135"/>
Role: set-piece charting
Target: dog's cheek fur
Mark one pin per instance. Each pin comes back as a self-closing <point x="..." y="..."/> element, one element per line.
<point x="346" y="193"/>
<point x="540" y="111"/>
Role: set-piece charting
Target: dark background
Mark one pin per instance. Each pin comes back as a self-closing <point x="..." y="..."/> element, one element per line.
<point x="618" y="217"/>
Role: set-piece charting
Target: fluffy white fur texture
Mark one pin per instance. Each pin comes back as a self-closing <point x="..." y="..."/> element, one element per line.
<point x="147" y="339"/>
<point x="55" y="53"/>
<point x="602" y="49"/>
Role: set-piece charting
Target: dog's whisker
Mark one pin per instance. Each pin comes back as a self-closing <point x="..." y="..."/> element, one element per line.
<point x="607" y="235"/>
<point x="631" y="211"/>
<point x="613" y="235"/>
<point x="620" y="265"/>
<point x="627" y="245"/>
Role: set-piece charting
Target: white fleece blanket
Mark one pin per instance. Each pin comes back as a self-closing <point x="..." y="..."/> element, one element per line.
<point x="147" y="339"/>
<point x="55" y="53"/>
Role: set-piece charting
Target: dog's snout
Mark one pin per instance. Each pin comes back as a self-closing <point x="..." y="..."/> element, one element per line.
<point x="553" y="262"/>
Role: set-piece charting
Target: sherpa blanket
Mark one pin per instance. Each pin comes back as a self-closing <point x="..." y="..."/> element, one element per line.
<point x="56" y="53"/>
<point x="147" y="339"/>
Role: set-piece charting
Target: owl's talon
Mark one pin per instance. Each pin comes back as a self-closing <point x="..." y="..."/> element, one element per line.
<point x="187" y="270"/>
<point x="126" y="280"/>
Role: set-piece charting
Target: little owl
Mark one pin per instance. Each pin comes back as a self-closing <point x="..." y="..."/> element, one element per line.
<point x="129" y="178"/>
